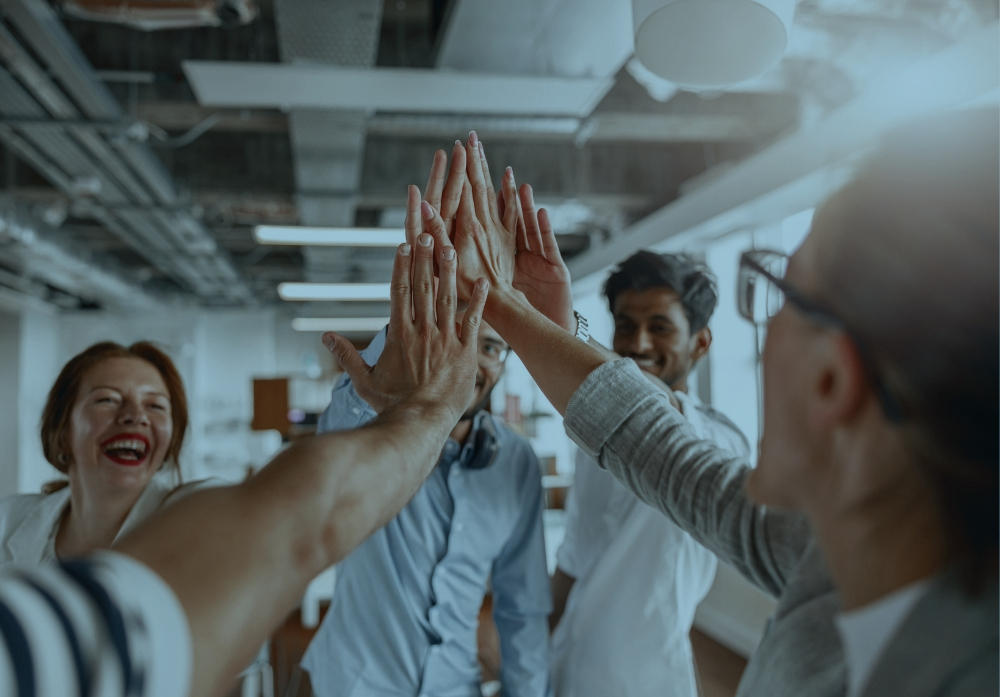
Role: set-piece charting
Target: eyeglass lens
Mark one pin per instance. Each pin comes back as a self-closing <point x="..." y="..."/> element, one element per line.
<point x="759" y="298"/>
<point x="492" y="354"/>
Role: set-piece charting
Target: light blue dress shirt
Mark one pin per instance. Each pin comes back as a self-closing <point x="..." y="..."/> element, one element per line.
<point x="405" y="610"/>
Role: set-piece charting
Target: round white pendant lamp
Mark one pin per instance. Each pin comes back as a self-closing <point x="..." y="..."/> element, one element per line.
<point x="705" y="44"/>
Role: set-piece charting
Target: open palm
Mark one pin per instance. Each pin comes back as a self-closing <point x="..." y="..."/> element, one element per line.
<point x="539" y="270"/>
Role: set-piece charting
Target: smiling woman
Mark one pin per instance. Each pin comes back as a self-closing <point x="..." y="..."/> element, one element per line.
<point x="114" y="424"/>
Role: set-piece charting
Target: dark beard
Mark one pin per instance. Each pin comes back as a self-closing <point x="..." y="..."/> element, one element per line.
<point x="479" y="406"/>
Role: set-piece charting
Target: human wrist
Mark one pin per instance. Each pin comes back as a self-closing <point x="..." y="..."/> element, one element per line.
<point x="503" y="298"/>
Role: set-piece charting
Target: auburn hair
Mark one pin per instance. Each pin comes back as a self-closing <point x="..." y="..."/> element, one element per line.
<point x="62" y="396"/>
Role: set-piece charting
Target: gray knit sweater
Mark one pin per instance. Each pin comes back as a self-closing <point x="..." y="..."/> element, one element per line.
<point x="629" y="427"/>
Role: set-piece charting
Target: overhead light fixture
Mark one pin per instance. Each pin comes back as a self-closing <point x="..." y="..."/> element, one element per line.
<point x="333" y="291"/>
<point x="330" y="236"/>
<point x="710" y="44"/>
<point x="339" y="324"/>
<point x="242" y="84"/>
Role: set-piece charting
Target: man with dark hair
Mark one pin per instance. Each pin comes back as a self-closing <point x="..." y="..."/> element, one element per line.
<point x="628" y="579"/>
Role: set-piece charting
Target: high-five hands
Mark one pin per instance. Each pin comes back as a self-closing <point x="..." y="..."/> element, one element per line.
<point x="426" y="361"/>
<point x="498" y="235"/>
<point x="539" y="270"/>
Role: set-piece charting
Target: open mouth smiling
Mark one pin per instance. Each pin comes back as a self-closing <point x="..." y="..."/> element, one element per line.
<point x="126" y="449"/>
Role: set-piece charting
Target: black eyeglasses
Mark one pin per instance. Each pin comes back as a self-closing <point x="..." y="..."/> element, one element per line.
<point x="762" y="292"/>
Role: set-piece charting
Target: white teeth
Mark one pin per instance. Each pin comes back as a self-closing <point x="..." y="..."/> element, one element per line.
<point x="126" y="444"/>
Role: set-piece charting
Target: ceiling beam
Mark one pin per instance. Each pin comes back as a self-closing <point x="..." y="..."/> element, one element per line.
<point x="803" y="169"/>
<point x="284" y="86"/>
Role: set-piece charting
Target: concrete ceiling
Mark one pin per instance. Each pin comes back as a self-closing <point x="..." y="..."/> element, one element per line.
<point x="171" y="214"/>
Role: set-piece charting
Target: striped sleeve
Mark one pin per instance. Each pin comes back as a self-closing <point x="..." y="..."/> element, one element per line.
<point x="102" y="626"/>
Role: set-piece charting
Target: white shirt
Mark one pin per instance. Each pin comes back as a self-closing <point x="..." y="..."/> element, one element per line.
<point x="29" y="522"/>
<point x="639" y="579"/>
<point x="866" y="632"/>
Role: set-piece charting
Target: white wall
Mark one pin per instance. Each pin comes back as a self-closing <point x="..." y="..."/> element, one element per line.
<point x="10" y="368"/>
<point x="39" y="367"/>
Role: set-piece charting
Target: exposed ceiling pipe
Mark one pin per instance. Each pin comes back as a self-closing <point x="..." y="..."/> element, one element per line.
<point x="125" y="174"/>
<point x="37" y="250"/>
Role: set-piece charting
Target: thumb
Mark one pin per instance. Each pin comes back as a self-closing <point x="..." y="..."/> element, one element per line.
<point x="348" y="358"/>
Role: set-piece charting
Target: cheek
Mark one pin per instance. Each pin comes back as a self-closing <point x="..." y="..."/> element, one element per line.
<point x="163" y="429"/>
<point x="84" y="428"/>
<point x="779" y="476"/>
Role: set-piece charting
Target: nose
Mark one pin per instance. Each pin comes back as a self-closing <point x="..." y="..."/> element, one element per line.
<point x="641" y="341"/>
<point x="131" y="412"/>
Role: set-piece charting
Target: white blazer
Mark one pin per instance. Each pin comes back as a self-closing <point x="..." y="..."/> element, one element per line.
<point x="29" y="522"/>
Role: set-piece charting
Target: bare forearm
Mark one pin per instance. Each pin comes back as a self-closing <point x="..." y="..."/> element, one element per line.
<point x="239" y="558"/>
<point x="558" y="361"/>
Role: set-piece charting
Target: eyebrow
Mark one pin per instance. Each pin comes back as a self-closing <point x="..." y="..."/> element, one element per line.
<point x="662" y="318"/>
<point x="115" y="389"/>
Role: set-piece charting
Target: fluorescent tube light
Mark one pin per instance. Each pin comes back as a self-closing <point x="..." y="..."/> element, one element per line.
<point x="242" y="84"/>
<point x="339" y="324"/>
<point x="330" y="236"/>
<point x="334" y="291"/>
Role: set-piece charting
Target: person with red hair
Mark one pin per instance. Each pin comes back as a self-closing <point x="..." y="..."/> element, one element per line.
<point x="114" y="424"/>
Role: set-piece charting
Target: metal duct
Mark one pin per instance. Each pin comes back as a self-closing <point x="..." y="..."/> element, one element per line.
<point x="39" y="254"/>
<point x="129" y="190"/>
<point x="327" y="146"/>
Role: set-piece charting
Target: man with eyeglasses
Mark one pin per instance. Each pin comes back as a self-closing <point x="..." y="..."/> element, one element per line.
<point x="405" y="611"/>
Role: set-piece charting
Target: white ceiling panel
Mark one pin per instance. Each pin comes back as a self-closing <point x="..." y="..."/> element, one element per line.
<point x="568" y="38"/>
<point x="272" y="85"/>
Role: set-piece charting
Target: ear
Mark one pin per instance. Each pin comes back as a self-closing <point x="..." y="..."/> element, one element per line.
<point x="840" y="386"/>
<point x="700" y="343"/>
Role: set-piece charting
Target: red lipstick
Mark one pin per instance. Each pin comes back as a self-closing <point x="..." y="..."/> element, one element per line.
<point x="129" y="449"/>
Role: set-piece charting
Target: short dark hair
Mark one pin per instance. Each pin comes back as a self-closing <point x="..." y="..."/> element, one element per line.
<point x="692" y="281"/>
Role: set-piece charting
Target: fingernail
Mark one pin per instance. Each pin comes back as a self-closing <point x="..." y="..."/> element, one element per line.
<point x="482" y="150"/>
<point x="510" y="173"/>
<point x="482" y="284"/>
<point x="426" y="211"/>
<point x="458" y="143"/>
<point x="425" y="240"/>
<point x="329" y="342"/>
<point x="404" y="249"/>
<point x="473" y="138"/>
<point x="448" y="254"/>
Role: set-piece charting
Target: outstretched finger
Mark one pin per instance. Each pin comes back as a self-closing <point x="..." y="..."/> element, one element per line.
<point x="550" y="246"/>
<point x="474" y="170"/>
<point x="349" y="359"/>
<point x="509" y="189"/>
<point x="435" y="180"/>
<point x="447" y="296"/>
<point x="423" y="280"/>
<point x="400" y="315"/>
<point x="434" y="225"/>
<point x="491" y="196"/>
<point x="532" y="232"/>
<point x="474" y="314"/>
<point x="412" y="222"/>
<point x="452" y="195"/>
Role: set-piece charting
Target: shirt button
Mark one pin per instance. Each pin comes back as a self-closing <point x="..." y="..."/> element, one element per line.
<point x="355" y="410"/>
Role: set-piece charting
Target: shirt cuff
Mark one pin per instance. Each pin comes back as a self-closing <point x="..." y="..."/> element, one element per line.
<point x="605" y="400"/>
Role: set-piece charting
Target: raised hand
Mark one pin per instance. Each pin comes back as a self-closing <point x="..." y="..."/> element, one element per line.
<point x="486" y="242"/>
<point x="425" y="360"/>
<point x="444" y="195"/>
<point x="539" y="270"/>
